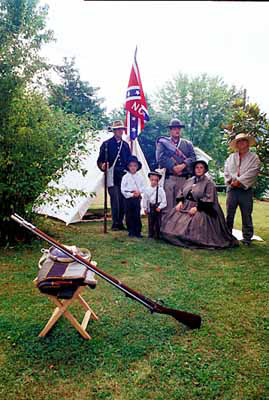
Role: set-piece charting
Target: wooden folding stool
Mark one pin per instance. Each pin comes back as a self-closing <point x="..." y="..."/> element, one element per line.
<point x="61" y="309"/>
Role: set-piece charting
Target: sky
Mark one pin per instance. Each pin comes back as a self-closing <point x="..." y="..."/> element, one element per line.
<point x="225" y="38"/>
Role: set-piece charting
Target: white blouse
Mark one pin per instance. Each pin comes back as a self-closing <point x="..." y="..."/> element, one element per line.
<point x="132" y="183"/>
<point x="245" y="172"/>
<point x="149" y="197"/>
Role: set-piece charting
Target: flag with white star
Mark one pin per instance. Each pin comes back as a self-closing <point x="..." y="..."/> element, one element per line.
<point x="135" y="103"/>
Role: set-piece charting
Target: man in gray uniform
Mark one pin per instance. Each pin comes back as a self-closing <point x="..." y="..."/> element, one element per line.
<point x="176" y="155"/>
<point x="240" y="173"/>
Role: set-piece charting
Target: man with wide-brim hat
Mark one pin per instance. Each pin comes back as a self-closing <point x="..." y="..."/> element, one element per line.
<point x="176" y="155"/>
<point x="175" y="123"/>
<point x="242" y="136"/>
<point x="118" y="125"/>
<point x="114" y="154"/>
<point x="240" y="173"/>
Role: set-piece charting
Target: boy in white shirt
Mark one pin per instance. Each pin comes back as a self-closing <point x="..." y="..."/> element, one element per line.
<point x="132" y="186"/>
<point x="154" y="201"/>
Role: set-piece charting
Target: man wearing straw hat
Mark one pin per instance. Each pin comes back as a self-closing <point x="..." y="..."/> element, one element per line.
<point x="240" y="173"/>
<point x="116" y="153"/>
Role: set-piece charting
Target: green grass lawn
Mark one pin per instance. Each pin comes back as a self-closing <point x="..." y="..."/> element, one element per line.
<point x="135" y="354"/>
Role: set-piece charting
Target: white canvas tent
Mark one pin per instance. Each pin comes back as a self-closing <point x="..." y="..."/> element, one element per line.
<point x="92" y="182"/>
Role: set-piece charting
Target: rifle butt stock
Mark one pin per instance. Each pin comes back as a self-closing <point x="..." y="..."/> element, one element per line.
<point x="192" y="321"/>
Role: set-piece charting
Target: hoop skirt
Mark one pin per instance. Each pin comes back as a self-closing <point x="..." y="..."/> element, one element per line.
<point x="207" y="228"/>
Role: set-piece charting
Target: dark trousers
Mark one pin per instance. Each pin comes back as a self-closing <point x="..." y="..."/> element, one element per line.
<point x="244" y="199"/>
<point x="132" y="214"/>
<point x="154" y="223"/>
<point x="117" y="205"/>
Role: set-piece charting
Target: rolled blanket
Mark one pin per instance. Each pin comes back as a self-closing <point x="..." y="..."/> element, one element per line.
<point x="60" y="277"/>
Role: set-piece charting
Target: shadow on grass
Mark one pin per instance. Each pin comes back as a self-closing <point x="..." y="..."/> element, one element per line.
<point x="115" y="343"/>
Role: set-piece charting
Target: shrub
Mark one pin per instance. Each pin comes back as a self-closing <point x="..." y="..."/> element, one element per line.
<point x="36" y="146"/>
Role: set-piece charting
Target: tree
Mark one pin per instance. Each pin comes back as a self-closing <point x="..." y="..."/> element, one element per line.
<point x="249" y="119"/>
<point x="203" y="103"/>
<point x="154" y="128"/>
<point x="22" y="34"/>
<point x="76" y="96"/>
<point x="36" y="150"/>
<point x="117" y="114"/>
<point x="37" y="142"/>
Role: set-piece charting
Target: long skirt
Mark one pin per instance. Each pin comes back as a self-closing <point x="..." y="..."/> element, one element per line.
<point x="200" y="231"/>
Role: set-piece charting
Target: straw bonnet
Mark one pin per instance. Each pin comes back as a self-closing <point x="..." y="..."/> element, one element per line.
<point x="118" y="124"/>
<point x="251" y="140"/>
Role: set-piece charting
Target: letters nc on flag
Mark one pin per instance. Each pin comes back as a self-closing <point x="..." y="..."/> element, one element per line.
<point x="135" y="104"/>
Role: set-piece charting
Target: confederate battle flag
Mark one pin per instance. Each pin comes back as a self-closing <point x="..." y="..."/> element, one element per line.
<point x="135" y="105"/>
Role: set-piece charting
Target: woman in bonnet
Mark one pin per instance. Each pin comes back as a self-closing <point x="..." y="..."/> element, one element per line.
<point x="198" y="221"/>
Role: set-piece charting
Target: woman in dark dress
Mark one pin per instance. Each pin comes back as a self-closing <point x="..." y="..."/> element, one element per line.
<point x="198" y="221"/>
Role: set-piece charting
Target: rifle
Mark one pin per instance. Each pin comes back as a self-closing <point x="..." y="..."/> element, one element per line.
<point x="153" y="207"/>
<point x="157" y="195"/>
<point x="193" y="321"/>
<point x="155" y="216"/>
<point x="172" y="150"/>
<point x="105" y="190"/>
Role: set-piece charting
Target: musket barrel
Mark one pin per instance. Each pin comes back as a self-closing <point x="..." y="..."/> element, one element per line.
<point x="193" y="321"/>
